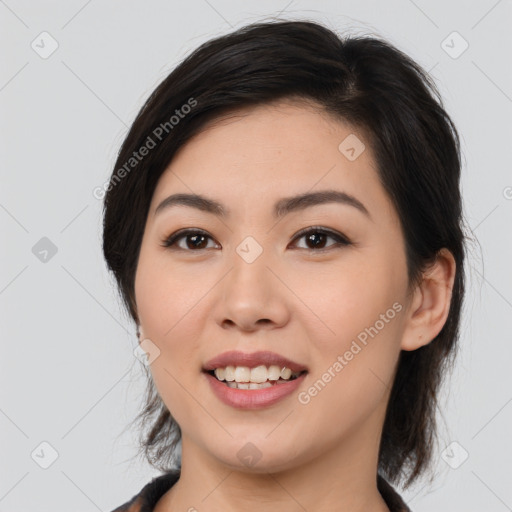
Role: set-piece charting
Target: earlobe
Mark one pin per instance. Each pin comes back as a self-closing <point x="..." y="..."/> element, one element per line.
<point x="431" y="302"/>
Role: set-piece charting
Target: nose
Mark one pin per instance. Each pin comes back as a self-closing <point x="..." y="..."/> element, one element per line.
<point x="252" y="296"/>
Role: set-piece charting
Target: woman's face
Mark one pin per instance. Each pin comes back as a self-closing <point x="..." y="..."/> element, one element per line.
<point x="248" y="282"/>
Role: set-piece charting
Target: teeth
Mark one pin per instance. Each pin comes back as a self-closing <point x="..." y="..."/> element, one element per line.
<point x="259" y="374"/>
<point x="253" y="385"/>
<point x="244" y="377"/>
<point x="248" y="385"/>
<point x="274" y="372"/>
<point x="242" y="374"/>
<point x="229" y="374"/>
<point x="286" y="373"/>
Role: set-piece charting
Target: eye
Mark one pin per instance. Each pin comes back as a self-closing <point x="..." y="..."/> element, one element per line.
<point x="195" y="239"/>
<point x="317" y="236"/>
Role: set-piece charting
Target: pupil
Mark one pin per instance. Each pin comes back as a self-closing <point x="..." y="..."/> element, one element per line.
<point x="194" y="238"/>
<point x="313" y="235"/>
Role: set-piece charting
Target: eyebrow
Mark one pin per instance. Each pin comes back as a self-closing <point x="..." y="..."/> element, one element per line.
<point x="282" y="207"/>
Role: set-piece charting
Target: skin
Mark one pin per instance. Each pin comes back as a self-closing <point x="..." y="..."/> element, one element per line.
<point x="308" y="306"/>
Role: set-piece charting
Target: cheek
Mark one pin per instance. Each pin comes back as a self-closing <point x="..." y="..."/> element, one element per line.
<point x="166" y="297"/>
<point x="166" y="300"/>
<point x="354" y="334"/>
<point x="354" y="365"/>
<point x="343" y="300"/>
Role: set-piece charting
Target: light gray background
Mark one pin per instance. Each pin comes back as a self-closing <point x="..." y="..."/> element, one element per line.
<point x="68" y="375"/>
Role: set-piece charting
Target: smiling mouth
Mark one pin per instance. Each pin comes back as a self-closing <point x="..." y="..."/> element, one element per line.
<point x="259" y="377"/>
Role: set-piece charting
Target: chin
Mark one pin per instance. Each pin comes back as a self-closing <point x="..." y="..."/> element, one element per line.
<point x="256" y="455"/>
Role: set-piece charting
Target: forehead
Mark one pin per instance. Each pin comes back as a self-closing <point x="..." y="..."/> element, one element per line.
<point x="286" y="129"/>
<point x="270" y="151"/>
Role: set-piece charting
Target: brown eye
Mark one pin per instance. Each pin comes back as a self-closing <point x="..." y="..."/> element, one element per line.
<point x="316" y="239"/>
<point x="194" y="239"/>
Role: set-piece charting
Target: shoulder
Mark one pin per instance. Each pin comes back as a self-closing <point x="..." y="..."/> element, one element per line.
<point x="146" y="499"/>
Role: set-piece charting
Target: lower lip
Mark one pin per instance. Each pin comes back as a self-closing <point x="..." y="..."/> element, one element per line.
<point x="253" y="398"/>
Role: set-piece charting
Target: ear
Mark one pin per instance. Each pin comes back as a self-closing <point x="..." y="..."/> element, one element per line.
<point x="430" y="304"/>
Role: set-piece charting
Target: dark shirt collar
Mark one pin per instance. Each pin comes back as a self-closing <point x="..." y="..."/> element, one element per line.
<point x="147" y="498"/>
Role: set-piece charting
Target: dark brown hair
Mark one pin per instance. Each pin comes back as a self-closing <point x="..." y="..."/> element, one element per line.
<point x="364" y="81"/>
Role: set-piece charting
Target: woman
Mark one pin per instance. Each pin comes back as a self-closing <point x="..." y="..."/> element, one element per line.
<point x="284" y="223"/>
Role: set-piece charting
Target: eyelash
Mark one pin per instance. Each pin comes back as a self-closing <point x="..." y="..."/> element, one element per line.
<point x="340" y="239"/>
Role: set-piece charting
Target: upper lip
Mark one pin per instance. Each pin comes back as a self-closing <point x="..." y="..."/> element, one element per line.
<point x="251" y="360"/>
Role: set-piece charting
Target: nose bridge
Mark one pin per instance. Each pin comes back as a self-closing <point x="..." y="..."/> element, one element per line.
<point x="250" y="262"/>
<point x="251" y="291"/>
